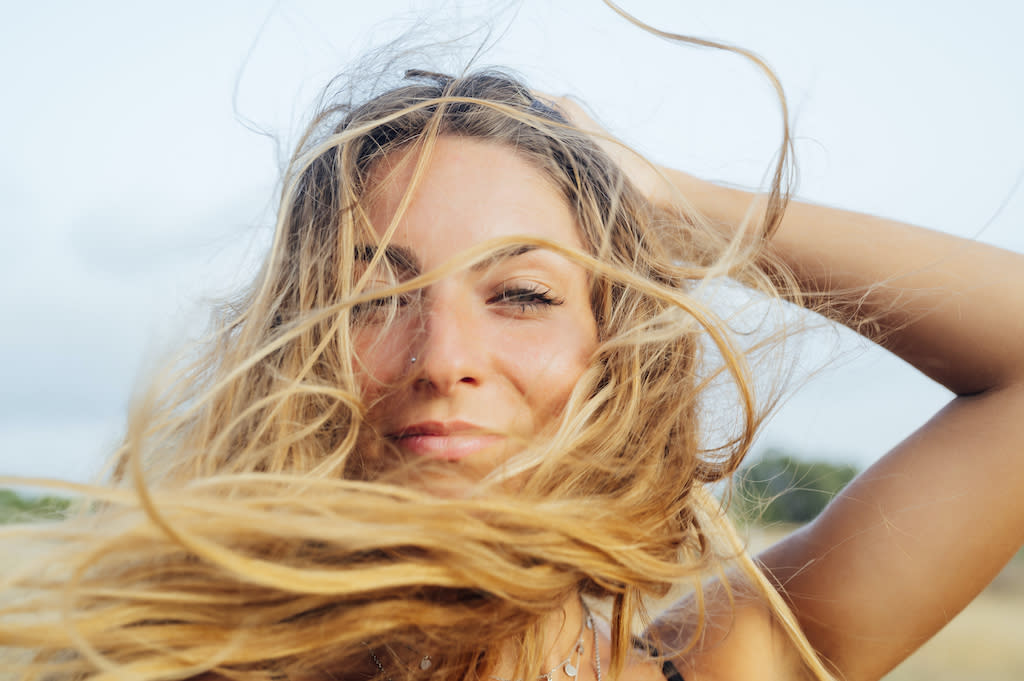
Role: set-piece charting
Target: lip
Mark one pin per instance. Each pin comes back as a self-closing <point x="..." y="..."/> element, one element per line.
<point x="447" y="441"/>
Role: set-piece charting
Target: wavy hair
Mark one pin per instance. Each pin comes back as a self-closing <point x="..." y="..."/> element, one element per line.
<point x="254" y="525"/>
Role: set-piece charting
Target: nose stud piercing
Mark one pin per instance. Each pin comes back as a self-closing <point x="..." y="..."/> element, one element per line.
<point x="412" y="361"/>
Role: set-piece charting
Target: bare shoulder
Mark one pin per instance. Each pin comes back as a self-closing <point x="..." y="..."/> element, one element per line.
<point x="739" y="640"/>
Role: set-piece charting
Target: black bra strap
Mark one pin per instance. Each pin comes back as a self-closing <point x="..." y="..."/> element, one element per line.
<point x="669" y="671"/>
<point x="668" y="668"/>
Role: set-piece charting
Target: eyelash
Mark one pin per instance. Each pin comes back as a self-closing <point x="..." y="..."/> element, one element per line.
<point x="527" y="298"/>
<point x="374" y="308"/>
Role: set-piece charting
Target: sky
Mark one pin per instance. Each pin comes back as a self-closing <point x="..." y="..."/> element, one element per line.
<point x="142" y="144"/>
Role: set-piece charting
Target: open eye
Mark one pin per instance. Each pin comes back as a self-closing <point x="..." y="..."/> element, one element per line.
<point x="526" y="297"/>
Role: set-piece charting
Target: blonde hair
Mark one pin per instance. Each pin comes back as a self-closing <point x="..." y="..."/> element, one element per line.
<point x="250" y="530"/>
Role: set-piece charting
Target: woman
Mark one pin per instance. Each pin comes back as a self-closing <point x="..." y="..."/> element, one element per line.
<point x="466" y="390"/>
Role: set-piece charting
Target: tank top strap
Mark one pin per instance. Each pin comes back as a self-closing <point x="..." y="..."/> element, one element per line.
<point x="668" y="668"/>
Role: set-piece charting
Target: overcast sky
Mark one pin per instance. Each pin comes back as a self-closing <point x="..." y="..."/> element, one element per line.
<point x="132" y="190"/>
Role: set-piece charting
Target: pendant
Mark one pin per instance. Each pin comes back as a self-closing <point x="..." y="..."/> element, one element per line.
<point x="426" y="663"/>
<point x="569" y="669"/>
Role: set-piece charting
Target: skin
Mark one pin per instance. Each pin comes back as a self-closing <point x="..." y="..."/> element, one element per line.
<point x="935" y="519"/>
<point x="905" y="532"/>
<point x="498" y="347"/>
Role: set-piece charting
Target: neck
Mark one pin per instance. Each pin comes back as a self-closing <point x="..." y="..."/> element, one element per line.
<point x="563" y="629"/>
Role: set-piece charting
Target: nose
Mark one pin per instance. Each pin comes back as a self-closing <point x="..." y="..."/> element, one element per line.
<point x="450" y="349"/>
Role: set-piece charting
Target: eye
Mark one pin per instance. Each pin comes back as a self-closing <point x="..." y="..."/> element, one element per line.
<point x="526" y="297"/>
<point x="382" y="309"/>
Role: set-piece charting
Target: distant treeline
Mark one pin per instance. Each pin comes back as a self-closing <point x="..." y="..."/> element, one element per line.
<point x="15" y="507"/>
<point x="778" y="488"/>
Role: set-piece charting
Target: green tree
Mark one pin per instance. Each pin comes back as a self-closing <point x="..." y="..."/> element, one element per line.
<point x="19" y="508"/>
<point x="779" y="488"/>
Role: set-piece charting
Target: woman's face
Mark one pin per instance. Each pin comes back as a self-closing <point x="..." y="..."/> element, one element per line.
<point x="484" y="358"/>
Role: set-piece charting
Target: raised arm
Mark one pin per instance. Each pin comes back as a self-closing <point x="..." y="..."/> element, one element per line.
<point x="918" y="535"/>
<point x="921" y="532"/>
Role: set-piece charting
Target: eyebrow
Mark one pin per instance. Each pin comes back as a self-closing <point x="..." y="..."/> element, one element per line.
<point x="399" y="257"/>
<point x="404" y="259"/>
<point x="503" y="254"/>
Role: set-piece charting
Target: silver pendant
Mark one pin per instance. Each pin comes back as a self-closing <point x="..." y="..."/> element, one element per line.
<point x="570" y="670"/>
<point x="426" y="663"/>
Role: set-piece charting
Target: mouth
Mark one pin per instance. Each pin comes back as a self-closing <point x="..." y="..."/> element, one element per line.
<point x="445" y="441"/>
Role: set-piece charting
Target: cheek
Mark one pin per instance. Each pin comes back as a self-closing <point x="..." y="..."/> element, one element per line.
<point x="379" y="360"/>
<point x="551" y="369"/>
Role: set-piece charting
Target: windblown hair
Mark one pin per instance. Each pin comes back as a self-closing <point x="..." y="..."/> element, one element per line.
<point x="255" y="525"/>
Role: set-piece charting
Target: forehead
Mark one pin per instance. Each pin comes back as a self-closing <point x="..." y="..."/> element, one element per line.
<point x="468" y="191"/>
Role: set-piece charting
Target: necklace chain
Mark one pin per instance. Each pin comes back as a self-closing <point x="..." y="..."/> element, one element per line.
<point x="425" y="663"/>
<point x="566" y="665"/>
